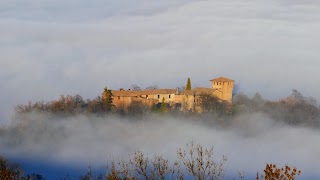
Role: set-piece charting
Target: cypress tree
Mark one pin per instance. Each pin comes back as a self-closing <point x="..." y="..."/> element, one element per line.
<point x="188" y="87"/>
<point x="163" y="107"/>
<point x="106" y="99"/>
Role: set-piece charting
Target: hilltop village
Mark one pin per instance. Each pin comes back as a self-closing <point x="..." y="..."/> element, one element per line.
<point x="186" y="100"/>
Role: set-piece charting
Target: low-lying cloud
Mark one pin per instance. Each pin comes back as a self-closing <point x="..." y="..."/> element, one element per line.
<point x="50" y="48"/>
<point x="249" y="141"/>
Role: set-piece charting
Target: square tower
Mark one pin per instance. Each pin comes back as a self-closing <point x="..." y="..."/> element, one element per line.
<point x="225" y="86"/>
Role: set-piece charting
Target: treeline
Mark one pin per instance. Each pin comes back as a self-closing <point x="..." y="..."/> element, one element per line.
<point x="65" y="105"/>
<point x="193" y="161"/>
<point x="295" y="109"/>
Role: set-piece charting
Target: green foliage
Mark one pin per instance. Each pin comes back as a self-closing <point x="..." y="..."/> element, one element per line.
<point x="163" y="107"/>
<point x="107" y="100"/>
<point x="188" y="86"/>
<point x="154" y="108"/>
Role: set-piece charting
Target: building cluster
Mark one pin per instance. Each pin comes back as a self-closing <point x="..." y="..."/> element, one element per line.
<point x="185" y="100"/>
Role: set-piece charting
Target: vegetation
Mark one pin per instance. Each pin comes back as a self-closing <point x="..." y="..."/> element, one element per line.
<point x="135" y="87"/>
<point x="107" y="100"/>
<point x="14" y="172"/>
<point x="295" y="109"/>
<point x="188" y="86"/>
<point x="137" y="108"/>
<point x="163" y="107"/>
<point x="193" y="161"/>
<point x="212" y="104"/>
<point x="272" y="172"/>
<point x="152" y="87"/>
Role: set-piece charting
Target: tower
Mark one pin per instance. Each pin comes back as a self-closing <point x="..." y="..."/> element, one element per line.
<point x="224" y="86"/>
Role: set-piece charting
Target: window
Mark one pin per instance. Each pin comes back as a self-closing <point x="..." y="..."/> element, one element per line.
<point x="158" y="96"/>
<point x="169" y="96"/>
<point x="118" y="97"/>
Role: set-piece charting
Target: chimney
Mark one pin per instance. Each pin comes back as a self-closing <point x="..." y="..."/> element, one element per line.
<point x="177" y="91"/>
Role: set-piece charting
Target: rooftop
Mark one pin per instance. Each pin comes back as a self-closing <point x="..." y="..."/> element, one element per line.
<point x="222" y="79"/>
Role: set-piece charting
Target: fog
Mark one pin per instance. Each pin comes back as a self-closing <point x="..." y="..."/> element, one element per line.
<point x="49" y="48"/>
<point x="249" y="141"/>
<point x="56" y="47"/>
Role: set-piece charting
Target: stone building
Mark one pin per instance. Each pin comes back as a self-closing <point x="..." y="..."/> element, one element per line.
<point x="223" y="88"/>
<point x="187" y="100"/>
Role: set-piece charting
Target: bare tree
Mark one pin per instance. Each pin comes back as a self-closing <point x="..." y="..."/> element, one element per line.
<point x="135" y="87"/>
<point x="200" y="164"/>
<point x="211" y="103"/>
<point x="151" y="87"/>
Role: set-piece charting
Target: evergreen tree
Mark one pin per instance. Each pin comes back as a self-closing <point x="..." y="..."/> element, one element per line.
<point x="188" y="87"/>
<point x="106" y="100"/>
<point x="163" y="107"/>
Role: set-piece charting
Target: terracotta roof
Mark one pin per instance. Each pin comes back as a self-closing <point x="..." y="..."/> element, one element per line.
<point x="198" y="91"/>
<point x="187" y="92"/>
<point x="128" y="93"/>
<point x="202" y="90"/>
<point x="222" y="79"/>
<point x="124" y="93"/>
<point x="157" y="91"/>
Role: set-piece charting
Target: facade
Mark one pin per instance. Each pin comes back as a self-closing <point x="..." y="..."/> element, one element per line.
<point x="223" y="88"/>
<point x="187" y="100"/>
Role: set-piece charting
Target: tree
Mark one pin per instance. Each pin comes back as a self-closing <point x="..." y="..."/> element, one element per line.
<point x="151" y="87"/>
<point x="188" y="86"/>
<point x="211" y="103"/>
<point x="257" y="100"/>
<point x="163" y="107"/>
<point x="107" y="99"/>
<point x="135" y="87"/>
<point x="273" y="172"/>
<point x="297" y="95"/>
<point x="137" y="108"/>
<point x="9" y="171"/>
<point x="199" y="162"/>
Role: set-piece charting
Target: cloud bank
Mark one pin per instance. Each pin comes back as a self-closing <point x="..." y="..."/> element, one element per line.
<point x="249" y="141"/>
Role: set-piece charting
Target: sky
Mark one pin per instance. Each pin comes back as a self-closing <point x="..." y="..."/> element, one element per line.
<point x="49" y="48"/>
